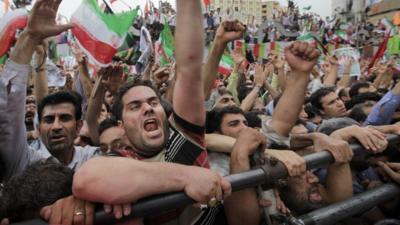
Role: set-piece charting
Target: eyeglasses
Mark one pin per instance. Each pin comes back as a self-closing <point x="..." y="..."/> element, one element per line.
<point x="114" y="145"/>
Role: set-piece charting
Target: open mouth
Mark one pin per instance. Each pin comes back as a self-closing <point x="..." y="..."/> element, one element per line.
<point x="150" y="125"/>
<point x="314" y="194"/>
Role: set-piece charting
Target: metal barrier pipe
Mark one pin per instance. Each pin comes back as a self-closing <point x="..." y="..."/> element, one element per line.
<point x="349" y="207"/>
<point x="265" y="174"/>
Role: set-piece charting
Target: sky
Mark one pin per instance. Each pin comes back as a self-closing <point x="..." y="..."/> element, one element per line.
<point x="321" y="7"/>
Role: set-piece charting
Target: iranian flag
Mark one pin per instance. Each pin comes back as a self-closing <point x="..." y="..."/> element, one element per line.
<point x="9" y="24"/>
<point x="226" y="65"/>
<point x="99" y="34"/>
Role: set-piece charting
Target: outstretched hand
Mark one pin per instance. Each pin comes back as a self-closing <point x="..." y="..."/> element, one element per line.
<point x="41" y="22"/>
<point x="113" y="77"/>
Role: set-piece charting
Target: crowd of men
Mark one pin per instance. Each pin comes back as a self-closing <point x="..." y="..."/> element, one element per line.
<point x="111" y="139"/>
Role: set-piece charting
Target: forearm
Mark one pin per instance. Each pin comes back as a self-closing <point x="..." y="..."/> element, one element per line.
<point x="94" y="110"/>
<point x="281" y="78"/>
<point x="289" y="106"/>
<point x="189" y="55"/>
<point x="387" y="129"/>
<point x="274" y="93"/>
<point x="248" y="101"/>
<point x="344" y="82"/>
<point x="104" y="179"/>
<point x="338" y="185"/>
<point x="219" y="143"/>
<point x="210" y="68"/>
<point x="232" y="83"/>
<point x="242" y="207"/>
<point x="41" y="83"/>
<point x="85" y="79"/>
<point x="330" y="80"/>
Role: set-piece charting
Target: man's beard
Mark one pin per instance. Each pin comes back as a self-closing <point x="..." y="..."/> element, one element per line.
<point x="59" y="149"/>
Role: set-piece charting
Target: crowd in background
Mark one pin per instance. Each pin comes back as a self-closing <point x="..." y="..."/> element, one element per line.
<point x="154" y="122"/>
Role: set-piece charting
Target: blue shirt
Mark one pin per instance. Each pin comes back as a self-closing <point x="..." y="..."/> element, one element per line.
<point x="382" y="112"/>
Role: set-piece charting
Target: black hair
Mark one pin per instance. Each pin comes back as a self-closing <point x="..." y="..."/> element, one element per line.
<point x="118" y="104"/>
<point x="311" y="111"/>
<point x="253" y="119"/>
<point x="361" y="98"/>
<point x="355" y="88"/>
<point x="315" y="98"/>
<point x="214" y="117"/>
<point x="107" y="124"/>
<point x="62" y="97"/>
<point x="39" y="185"/>
<point x="358" y="114"/>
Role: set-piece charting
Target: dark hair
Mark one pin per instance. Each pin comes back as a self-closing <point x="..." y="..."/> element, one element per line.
<point x="311" y="111"/>
<point x="39" y="185"/>
<point x="62" y="97"/>
<point x="355" y="88"/>
<point x="214" y="117"/>
<point x="315" y="98"/>
<point x="358" y="114"/>
<point x="253" y="119"/>
<point x="343" y="93"/>
<point x="107" y="124"/>
<point x="118" y="105"/>
<point x="361" y="98"/>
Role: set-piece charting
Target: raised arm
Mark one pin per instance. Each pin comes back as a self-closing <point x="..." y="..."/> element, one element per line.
<point x="330" y="78"/>
<point x="188" y="97"/>
<point x="40" y="80"/>
<point x="226" y="32"/>
<point x="41" y="24"/>
<point x="301" y="58"/>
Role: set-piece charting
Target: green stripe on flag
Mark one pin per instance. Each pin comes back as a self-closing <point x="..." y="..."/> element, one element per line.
<point x="119" y="23"/>
<point x="3" y="59"/>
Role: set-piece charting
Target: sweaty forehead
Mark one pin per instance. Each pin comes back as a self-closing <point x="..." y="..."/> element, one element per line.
<point x="138" y="93"/>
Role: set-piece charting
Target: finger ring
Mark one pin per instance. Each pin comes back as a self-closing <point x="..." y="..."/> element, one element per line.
<point x="79" y="213"/>
<point x="212" y="202"/>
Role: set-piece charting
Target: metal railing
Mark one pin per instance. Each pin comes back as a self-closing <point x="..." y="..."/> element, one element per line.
<point x="266" y="174"/>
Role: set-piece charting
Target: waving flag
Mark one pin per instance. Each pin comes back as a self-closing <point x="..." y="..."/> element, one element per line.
<point x="167" y="46"/>
<point x="9" y="25"/>
<point x="100" y="34"/>
<point x="226" y="65"/>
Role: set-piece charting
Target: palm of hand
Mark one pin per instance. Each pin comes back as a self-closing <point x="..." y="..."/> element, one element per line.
<point x="42" y="22"/>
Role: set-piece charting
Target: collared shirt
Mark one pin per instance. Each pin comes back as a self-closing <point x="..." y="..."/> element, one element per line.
<point x="15" y="152"/>
<point x="382" y="112"/>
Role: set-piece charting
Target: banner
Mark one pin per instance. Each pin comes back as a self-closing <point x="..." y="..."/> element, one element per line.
<point x="344" y="54"/>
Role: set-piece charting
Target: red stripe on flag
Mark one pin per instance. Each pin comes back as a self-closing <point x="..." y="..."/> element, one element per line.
<point x="100" y="51"/>
<point x="224" y="71"/>
<point x="8" y="34"/>
<point x="272" y="46"/>
<point x="256" y="50"/>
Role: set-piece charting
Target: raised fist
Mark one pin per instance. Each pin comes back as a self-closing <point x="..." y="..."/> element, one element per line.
<point x="301" y="57"/>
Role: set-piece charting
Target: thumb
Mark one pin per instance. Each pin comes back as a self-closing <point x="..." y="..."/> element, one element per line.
<point x="61" y="28"/>
<point x="45" y="213"/>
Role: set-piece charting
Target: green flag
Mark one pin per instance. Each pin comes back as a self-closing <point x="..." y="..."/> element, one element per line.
<point x="167" y="47"/>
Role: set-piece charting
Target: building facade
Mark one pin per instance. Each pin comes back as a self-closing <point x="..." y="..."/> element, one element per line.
<point x="247" y="11"/>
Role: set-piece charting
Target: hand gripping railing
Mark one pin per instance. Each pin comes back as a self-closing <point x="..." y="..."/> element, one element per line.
<point x="266" y="174"/>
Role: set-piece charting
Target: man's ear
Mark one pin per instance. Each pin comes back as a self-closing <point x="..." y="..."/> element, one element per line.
<point x="120" y="123"/>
